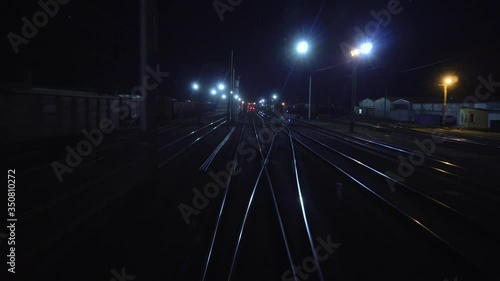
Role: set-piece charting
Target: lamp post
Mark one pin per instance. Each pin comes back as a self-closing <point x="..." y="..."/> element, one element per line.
<point x="449" y="80"/>
<point x="274" y="101"/>
<point x="303" y="48"/>
<point x="213" y="92"/>
<point x="221" y="88"/>
<point x="364" y="49"/>
<point x="196" y="88"/>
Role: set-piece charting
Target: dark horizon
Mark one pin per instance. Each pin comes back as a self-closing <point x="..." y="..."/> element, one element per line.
<point x="94" y="46"/>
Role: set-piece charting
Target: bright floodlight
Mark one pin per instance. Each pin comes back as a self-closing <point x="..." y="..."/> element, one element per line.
<point x="196" y="86"/>
<point x="221" y="87"/>
<point x="355" y="53"/>
<point x="239" y="99"/>
<point x="224" y="96"/>
<point x="213" y="92"/>
<point x="366" y="48"/>
<point x="302" y="47"/>
<point x="275" y="97"/>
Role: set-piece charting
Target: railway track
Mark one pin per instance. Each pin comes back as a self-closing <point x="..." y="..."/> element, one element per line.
<point x="377" y="242"/>
<point x="452" y="228"/>
<point x="439" y="164"/>
<point x="450" y="139"/>
<point x="274" y="213"/>
<point x="464" y="191"/>
<point x="71" y="210"/>
<point x="176" y="147"/>
<point x="240" y="244"/>
<point x="243" y="242"/>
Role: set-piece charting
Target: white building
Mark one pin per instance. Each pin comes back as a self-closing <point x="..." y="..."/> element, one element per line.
<point x="402" y="109"/>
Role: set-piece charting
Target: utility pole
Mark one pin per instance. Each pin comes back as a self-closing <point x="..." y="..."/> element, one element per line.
<point x="310" y="91"/>
<point x="238" y="91"/>
<point x="148" y="56"/>
<point x="233" y="91"/>
<point x="229" y="96"/>
<point x="385" y="102"/>
<point x="444" y="103"/>
<point x="201" y="107"/>
<point x="353" y="100"/>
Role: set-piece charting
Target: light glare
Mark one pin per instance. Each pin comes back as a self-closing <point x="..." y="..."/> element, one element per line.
<point x="302" y="47"/>
<point x="366" y="48"/>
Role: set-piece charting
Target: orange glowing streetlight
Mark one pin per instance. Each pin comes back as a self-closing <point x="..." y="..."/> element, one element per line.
<point x="447" y="81"/>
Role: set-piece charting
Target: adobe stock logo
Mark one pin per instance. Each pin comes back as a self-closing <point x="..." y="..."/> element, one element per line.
<point x="40" y="19"/>
<point x="221" y="7"/>
<point x="121" y="276"/>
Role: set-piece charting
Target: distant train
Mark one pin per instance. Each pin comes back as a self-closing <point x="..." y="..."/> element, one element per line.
<point x="34" y="113"/>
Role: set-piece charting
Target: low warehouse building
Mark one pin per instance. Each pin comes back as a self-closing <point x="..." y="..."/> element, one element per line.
<point x="473" y="118"/>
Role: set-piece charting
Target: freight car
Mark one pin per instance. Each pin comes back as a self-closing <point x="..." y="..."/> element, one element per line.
<point x="129" y="110"/>
<point x="48" y="113"/>
<point x="40" y="113"/>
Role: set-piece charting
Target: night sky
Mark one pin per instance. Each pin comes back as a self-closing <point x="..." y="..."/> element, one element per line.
<point x="93" y="45"/>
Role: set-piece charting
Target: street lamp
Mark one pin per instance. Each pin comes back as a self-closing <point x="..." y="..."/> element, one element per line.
<point x="363" y="50"/>
<point x="196" y="87"/>
<point x="274" y="101"/>
<point x="221" y="87"/>
<point x="303" y="48"/>
<point x="214" y="92"/>
<point x="366" y="48"/>
<point x="448" y="80"/>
